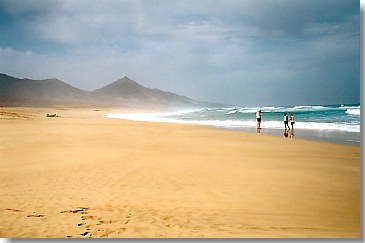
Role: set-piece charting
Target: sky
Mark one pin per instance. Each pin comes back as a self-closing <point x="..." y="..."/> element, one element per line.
<point x="239" y="52"/>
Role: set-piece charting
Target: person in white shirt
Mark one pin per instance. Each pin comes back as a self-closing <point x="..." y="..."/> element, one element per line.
<point x="286" y="121"/>
<point x="258" y="119"/>
<point x="292" y="121"/>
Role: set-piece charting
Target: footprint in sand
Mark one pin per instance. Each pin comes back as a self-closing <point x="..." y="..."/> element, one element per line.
<point x="36" y="215"/>
<point x="86" y="224"/>
<point x="129" y="216"/>
<point x="82" y="211"/>
<point x="108" y="221"/>
<point x="15" y="210"/>
<point x="77" y="210"/>
<point x="84" y="217"/>
<point x="28" y="216"/>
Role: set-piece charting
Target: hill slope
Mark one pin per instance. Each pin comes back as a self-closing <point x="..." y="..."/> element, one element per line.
<point x="14" y="91"/>
<point x="123" y="92"/>
<point x="128" y="91"/>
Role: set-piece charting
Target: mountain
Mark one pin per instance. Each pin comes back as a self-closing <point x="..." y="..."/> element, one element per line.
<point x="124" y="92"/>
<point x="16" y="92"/>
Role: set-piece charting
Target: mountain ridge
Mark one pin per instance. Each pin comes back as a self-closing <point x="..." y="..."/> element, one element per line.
<point x="123" y="92"/>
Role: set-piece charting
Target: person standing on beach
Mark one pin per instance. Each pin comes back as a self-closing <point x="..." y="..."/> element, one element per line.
<point x="292" y="121"/>
<point x="258" y="118"/>
<point x="286" y="121"/>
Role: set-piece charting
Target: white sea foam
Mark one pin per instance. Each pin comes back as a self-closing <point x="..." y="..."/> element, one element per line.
<point x="272" y="108"/>
<point x="266" y="109"/>
<point x="251" y="110"/>
<point x="232" y="112"/>
<point x="242" y="110"/>
<point x="328" y="126"/>
<point x="302" y="106"/>
<point x="247" y="110"/>
<point x="349" y="107"/>
<point x="280" y="109"/>
<point x="353" y="111"/>
<point x="166" y="117"/>
<point x="309" y="107"/>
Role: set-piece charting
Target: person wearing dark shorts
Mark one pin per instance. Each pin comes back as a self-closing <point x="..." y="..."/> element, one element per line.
<point x="258" y="119"/>
<point x="292" y="121"/>
<point x="286" y="121"/>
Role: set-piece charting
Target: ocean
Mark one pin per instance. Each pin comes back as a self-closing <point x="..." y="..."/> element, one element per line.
<point x="330" y="123"/>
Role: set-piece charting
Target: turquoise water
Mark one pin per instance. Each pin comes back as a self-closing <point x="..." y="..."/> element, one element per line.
<point x="333" y="123"/>
<point x="330" y="117"/>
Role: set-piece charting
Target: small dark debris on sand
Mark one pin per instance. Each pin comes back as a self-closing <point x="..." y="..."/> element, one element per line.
<point x="52" y="115"/>
<point x="36" y="215"/>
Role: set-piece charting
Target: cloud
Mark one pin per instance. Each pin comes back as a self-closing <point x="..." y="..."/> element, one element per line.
<point x="232" y="51"/>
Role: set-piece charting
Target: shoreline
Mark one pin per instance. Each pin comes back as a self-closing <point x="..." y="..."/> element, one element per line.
<point x="82" y="175"/>
<point x="334" y="137"/>
<point x="329" y="136"/>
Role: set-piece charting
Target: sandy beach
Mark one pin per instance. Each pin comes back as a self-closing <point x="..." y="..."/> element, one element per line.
<point x="83" y="175"/>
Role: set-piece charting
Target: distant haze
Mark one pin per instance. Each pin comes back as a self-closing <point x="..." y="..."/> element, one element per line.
<point x="239" y="52"/>
<point x="121" y="93"/>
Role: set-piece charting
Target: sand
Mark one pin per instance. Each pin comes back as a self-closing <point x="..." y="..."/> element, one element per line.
<point x="82" y="175"/>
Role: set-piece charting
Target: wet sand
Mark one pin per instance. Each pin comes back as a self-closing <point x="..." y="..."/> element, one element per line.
<point x="329" y="136"/>
<point x="82" y="175"/>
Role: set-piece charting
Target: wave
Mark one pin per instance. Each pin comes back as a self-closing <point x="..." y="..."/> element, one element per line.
<point x="232" y="112"/>
<point x="328" y="126"/>
<point x="309" y="107"/>
<point x="353" y="111"/>
<point x="350" y="107"/>
<point x="242" y="110"/>
<point x="279" y="109"/>
<point x="164" y="117"/>
<point x="246" y="110"/>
